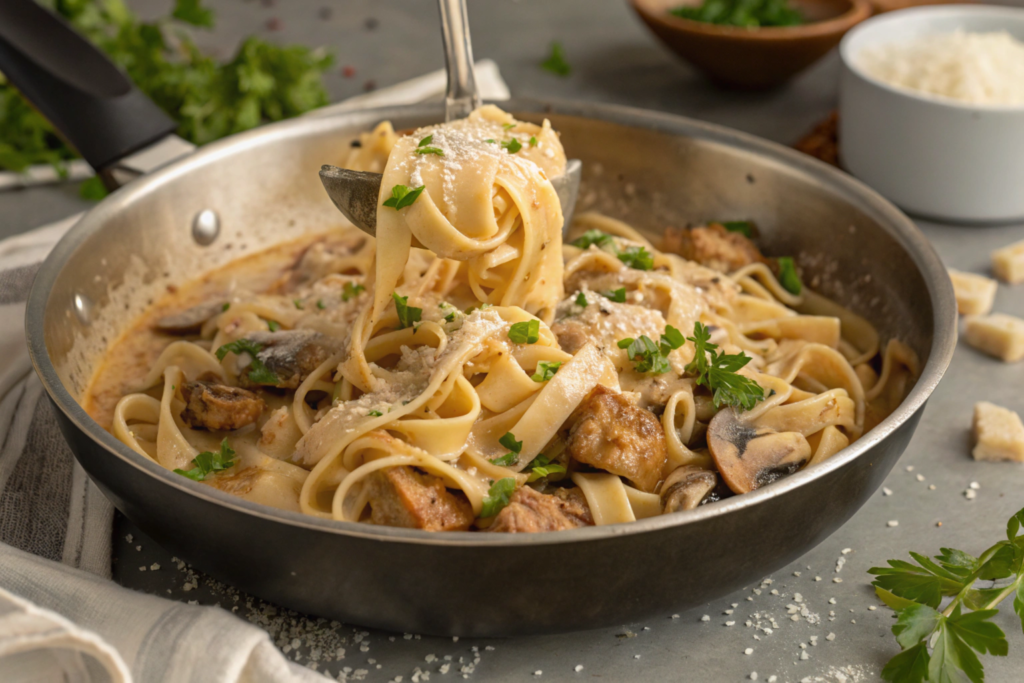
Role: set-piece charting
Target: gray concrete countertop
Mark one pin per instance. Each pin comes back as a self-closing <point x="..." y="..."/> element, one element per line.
<point x="840" y="636"/>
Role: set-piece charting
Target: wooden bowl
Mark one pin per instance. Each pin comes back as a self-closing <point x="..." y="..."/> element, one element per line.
<point x="754" y="58"/>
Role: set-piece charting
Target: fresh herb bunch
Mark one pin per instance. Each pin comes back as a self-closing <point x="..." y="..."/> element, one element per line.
<point x="745" y="13"/>
<point x="941" y="646"/>
<point x="718" y="372"/>
<point x="208" y="100"/>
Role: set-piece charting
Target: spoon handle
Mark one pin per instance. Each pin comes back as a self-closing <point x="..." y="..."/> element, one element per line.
<point x="462" y="96"/>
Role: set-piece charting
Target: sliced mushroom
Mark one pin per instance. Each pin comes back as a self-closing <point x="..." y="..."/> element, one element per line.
<point x="292" y="355"/>
<point x="686" y="488"/>
<point x="749" y="457"/>
<point x="191" y="320"/>
<point x="218" y="407"/>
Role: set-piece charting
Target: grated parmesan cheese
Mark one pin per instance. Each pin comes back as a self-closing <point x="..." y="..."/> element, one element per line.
<point x="981" y="68"/>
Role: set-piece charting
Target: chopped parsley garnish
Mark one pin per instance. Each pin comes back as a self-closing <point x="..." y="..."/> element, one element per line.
<point x="206" y="462"/>
<point x="273" y="325"/>
<point x="719" y="374"/>
<point x="650" y="357"/>
<point x="498" y="496"/>
<point x="508" y="126"/>
<point x="616" y="295"/>
<point x="745" y="13"/>
<point x="556" y="62"/>
<point x="226" y="306"/>
<point x="533" y="141"/>
<point x="745" y="228"/>
<point x="514" y="447"/>
<point x="402" y="196"/>
<point x="350" y="290"/>
<point x="491" y="141"/>
<point x="601" y="239"/>
<point x="426" y="141"/>
<point x="298" y="304"/>
<point x="320" y="304"/>
<point x="637" y="257"/>
<point x="258" y="372"/>
<point x="581" y="300"/>
<point x="542" y="466"/>
<point x="450" y="318"/>
<point x="424" y="148"/>
<point x="407" y="315"/>
<point x="788" y="277"/>
<point x="512" y="146"/>
<point x="526" y="332"/>
<point x="546" y="370"/>
<point x="375" y="413"/>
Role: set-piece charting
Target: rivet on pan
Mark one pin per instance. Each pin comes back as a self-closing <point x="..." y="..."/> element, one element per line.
<point x="206" y="227"/>
<point x="83" y="309"/>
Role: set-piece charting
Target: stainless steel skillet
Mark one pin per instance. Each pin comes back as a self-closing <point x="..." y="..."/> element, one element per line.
<point x="651" y="169"/>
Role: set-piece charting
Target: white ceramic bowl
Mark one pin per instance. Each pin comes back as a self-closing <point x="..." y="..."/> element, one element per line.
<point x="934" y="157"/>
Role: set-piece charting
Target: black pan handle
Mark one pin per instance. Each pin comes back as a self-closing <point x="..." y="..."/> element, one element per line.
<point x="94" y="106"/>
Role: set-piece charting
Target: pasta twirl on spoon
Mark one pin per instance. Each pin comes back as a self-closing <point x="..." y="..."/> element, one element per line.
<point x="469" y="371"/>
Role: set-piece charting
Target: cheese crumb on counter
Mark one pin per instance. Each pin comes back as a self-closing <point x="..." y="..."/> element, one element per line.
<point x="998" y="335"/>
<point x="1008" y="263"/>
<point x="975" y="294"/>
<point x="998" y="433"/>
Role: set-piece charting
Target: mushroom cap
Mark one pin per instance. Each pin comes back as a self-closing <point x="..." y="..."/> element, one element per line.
<point x="686" y="487"/>
<point x="748" y="456"/>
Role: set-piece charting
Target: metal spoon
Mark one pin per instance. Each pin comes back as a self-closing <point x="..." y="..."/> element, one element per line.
<point x="355" y="193"/>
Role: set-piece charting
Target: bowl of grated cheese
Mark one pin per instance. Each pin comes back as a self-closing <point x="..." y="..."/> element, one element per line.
<point x="932" y="110"/>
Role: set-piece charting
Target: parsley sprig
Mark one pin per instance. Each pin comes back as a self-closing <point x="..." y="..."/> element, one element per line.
<point x="941" y="646"/>
<point x="718" y="372"/>
<point x="425" y="148"/>
<point x="207" y="463"/>
<point x="407" y="315"/>
<point x="259" y="373"/>
<point x="402" y="196"/>
<point x="650" y="357"/>
<point x="498" y="496"/>
<point x="514" y="447"/>
<point x="350" y="291"/>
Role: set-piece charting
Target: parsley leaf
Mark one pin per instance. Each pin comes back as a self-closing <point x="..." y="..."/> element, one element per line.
<point x="556" y="62"/>
<point x="407" y="315"/>
<point x="225" y="306"/>
<point x="512" y="145"/>
<point x="542" y="466"/>
<point x="526" y="332"/>
<point x="430" y="150"/>
<point x="207" y="463"/>
<point x="745" y="228"/>
<point x="581" y="300"/>
<point x="601" y="239"/>
<point x="745" y="13"/>
<point x="273" y="325"/>
<point x="298" y="304"/>
<point x="426" y="141"/>
<point x="498" y="496"/>
<point x="546" y="370"/>
<point x="533" y="141"/>
<point x="259" y="373"/>
<point x="506" y="460"/>
<point x="491" y="141"/>
<point x="349" y="291"/>
<point x="645" y="354"/>
<point x="375" y="413"/>
<point x="320" y="304"/>
<point x="637" y="257"/>
<point x="788" y="277"/>
<point x="192" y="12"/>
<point x="719" y="375"/>
<point x="514" y="447"/>
<point x="508" y="126"/>
<point x="616" y="295"/>
<point x="402" y="196"/>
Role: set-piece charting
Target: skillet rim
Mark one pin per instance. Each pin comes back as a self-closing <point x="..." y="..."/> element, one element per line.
<point x="892" y="220"/>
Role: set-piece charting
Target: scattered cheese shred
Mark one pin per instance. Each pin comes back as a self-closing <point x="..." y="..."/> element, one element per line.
<point x="998" y="434"/>
<point x="975" y="294"/>
<point x="1008" y="263"/>
<point x="998" y="335"/>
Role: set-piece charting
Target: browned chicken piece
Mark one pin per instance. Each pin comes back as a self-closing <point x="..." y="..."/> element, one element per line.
<point x="612" y="434"/>
<point x="529" y="511"/>
<point x="402" y="496"/>
<point x="712" y="246"/>
<point x="191" y="320"/>
<point x="291" y="355"/>
<point x="218" y="407"/>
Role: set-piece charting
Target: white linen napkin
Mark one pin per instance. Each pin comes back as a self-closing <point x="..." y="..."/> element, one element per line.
<point x="61" y="618"/>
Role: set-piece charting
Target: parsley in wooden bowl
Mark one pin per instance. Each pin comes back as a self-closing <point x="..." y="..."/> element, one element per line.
<point x="751" y="43"/>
